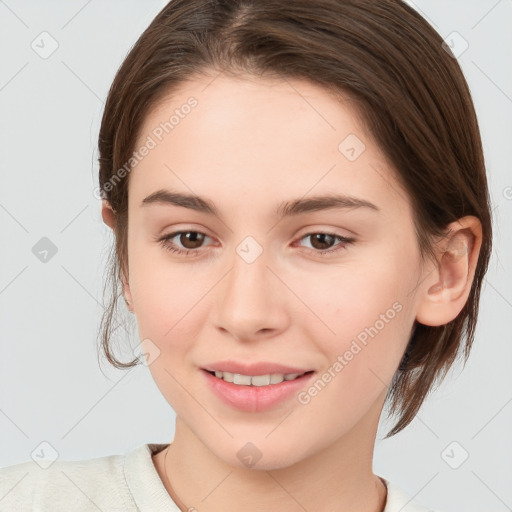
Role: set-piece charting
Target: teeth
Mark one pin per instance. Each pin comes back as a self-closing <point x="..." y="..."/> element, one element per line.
<point x="245" y="380"/>
<point x="256" y="380"/>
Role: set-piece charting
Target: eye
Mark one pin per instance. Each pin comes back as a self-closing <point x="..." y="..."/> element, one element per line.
<point x="191" y="240"/>
<point x="320" y="240"/>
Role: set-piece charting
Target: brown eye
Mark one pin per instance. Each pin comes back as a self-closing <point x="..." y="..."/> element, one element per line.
<point x="322" y="241"/>
<point x="183" y="242"/>
<point x="191" y="239"/>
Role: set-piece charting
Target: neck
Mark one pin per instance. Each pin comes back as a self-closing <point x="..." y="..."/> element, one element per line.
<point x="337" y="477"/>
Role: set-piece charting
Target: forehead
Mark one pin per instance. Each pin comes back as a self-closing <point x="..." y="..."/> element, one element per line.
<point x="257" y="137"/>
<point x="262" y="106"/>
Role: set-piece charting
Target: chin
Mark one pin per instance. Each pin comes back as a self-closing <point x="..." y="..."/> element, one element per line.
<point x="261" y="455"/>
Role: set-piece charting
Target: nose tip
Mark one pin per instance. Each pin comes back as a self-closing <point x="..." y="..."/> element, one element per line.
<point x="248" y="304"/>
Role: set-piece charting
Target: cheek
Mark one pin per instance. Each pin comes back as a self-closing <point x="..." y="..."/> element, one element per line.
<point x="361" y="359"/>
<point x="169" y="301"/>
<point x="363" y="314"/>
<point x="163" y="293"/>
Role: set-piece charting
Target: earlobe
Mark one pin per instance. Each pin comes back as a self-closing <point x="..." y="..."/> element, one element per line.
<point x="127" y="296"/>
<point x="109" y="218"/>
<point x="447" y="286"/>
<point x="107" y="213"/>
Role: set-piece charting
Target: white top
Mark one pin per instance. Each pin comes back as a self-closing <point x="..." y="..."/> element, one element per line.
<point x="115" y="483"/>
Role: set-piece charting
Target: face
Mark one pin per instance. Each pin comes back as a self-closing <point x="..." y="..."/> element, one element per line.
<point x="266" y="273"/>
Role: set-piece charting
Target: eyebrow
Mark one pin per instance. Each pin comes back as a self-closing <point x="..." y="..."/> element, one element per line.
<point x="285" y="209"/>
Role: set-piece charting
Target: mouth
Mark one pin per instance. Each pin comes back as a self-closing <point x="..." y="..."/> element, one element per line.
<point x="256" y="393"/>
<point x="258" y="380"/>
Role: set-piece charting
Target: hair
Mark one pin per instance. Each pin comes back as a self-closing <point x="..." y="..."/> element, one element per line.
<point x="407" y="86"/>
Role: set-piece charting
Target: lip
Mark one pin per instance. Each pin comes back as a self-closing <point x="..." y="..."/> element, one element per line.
<point x="254" y="369"/>
<point x="256" y="398"/>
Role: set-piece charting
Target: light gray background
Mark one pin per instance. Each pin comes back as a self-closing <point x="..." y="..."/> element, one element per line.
<point x="51" y="388"/>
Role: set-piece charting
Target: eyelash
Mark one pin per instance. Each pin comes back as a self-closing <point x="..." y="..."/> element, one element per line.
<point x="345" y="241"/>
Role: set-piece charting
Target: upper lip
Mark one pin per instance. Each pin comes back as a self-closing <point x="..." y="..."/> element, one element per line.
<point x="258" y="368"/>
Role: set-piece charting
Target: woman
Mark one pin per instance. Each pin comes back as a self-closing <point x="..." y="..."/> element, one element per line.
<point x="298" y="196"/>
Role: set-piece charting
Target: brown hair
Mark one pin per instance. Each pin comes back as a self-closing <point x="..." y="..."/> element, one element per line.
<point x="408" y="88"/>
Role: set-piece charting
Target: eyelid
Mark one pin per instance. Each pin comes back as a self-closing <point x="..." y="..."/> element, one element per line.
<point x="324" y="228"/>
<point x="175" y="232"/>
<point x="340" y="246"/>
<point x="309" y="230"/>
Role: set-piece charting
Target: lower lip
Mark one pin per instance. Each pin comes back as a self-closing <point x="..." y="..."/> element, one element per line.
<point x="256" y="398"/>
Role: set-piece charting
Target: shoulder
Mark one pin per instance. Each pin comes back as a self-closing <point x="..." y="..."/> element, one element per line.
<point x="400" y="501"/>
<point x="65" y="485"/>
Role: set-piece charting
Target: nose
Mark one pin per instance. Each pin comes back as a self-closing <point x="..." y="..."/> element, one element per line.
<point x="251" y="300"/>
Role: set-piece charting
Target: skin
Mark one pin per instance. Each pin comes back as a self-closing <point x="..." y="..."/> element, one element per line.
<point x="248" y="145"/>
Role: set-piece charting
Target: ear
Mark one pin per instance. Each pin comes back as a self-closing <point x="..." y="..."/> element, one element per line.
<point x="446" y="288"/>
<point x="127" y="295"/>
<point x="109" y="218"/>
